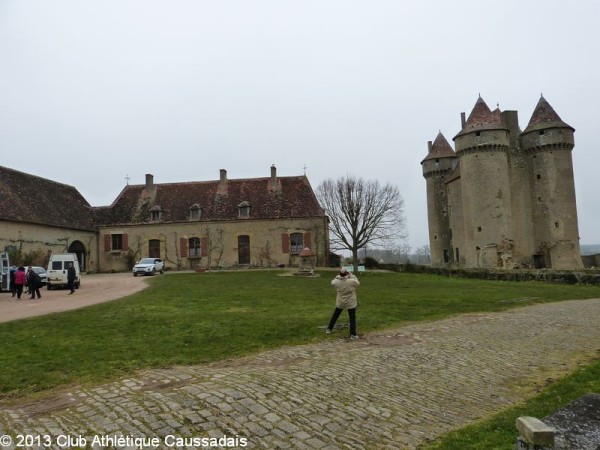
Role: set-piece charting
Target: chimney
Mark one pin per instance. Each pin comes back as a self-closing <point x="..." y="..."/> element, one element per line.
<point x="463" y="120"/>
<point x="222" y="188"/>
<point x="149" y="182"/>
<point x="273" y="176"/>
<point x="429" y="146"/>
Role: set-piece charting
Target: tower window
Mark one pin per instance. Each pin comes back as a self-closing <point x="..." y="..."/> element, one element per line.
<point x="556" y="224"/>
<point x="435" y="237"/>
<point x="541" y="132"/>
<point x="538" y="176"/>
<point x="478" y="133"/>
<point x="479" y="229"/>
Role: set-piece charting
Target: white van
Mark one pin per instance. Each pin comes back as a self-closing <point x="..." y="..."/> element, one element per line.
<point x="57" y="270"/>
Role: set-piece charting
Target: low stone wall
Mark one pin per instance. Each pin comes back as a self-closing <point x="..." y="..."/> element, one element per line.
<point x="587" y="276"/>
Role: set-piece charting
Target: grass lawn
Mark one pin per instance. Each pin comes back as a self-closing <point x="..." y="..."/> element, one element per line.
<point x="193" y="318"/>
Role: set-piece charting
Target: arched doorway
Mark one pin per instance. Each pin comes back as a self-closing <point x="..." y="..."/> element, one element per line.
<point x="78" y="248"/>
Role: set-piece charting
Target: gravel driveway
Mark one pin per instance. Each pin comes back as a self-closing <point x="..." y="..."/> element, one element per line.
<point x="95" y="288"/>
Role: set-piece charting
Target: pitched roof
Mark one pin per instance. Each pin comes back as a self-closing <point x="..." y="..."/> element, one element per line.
<point x="440" y="149"/>
<point x="482" y="118"/>
<point x="544" y="117"/>
<point x="293" y="197"/>
<point x="32" y="199"/>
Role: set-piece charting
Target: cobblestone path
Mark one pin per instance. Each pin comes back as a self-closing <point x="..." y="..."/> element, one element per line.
<point x="394" y="389"/>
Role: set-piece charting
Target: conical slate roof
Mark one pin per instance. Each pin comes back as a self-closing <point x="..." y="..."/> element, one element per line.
<point x="440" y="149"/>
<point x="482" y="118"/>
<point x="544" y="117"/>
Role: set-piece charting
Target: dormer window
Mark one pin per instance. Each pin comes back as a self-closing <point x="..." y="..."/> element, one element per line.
<point x="244" y="209"/>
<point x="155" y="213"/>
<point x="195" y="212"/>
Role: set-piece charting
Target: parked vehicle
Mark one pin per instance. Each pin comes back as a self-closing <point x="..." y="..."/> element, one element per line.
<point x="57" y="270"/>
<point x="148" y="266"/>
<point x="4" y="272"/>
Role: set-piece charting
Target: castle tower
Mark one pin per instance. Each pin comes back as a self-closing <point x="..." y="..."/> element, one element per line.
<point x="482" y="147"/>
<point x="549" y="142"/>
<point x="437" y="165"/>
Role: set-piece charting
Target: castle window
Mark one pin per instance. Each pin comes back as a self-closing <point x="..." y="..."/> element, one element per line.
<point x="117" y="241"/>
<point x="195" y="212"/>
<point x="541" y="132"/>
<point x="244" y="209"/>
<point x="194" y="248"/>
<point x="435" y="237"/>
<point x="456" y="253"/>
<point x="556" y="224"/>
<point x="296" y="244"/>
<point x="479" y="229"/>
<point x="538" y="176"/>
<point x="446" y="256"/>
<point x="478" y="133"/>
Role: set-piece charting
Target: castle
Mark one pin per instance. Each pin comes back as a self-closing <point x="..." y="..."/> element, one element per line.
<point x="505" y="198"/>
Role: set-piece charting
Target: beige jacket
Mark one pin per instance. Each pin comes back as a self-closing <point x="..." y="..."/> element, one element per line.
<point x="346" y="291"/>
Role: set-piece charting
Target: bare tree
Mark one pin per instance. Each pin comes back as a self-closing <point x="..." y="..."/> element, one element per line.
<point x="362" y="212"/>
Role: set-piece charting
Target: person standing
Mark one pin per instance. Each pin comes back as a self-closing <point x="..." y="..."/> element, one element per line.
<point x="345" y="283"/>
<point x="13" y="290"/>
<point x="19" y="281"/>
<point x="34" y="282"/>
<point x="71" y="278"/>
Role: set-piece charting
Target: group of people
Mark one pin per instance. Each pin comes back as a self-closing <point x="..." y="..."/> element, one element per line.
<point x="29" y="281"/>
<point x="21" y="279"/>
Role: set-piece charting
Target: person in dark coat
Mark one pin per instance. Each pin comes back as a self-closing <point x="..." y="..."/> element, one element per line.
<point x="71" y="274"/>
<point x="34" y="282"/>
<point x="13" y="288"/>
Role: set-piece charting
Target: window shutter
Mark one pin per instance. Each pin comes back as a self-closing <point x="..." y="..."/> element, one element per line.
<point x="125" y="241"/>
<point x="204" y="246"/>
<point x="307" y="240"/>
<point x="285" y="243"/>
<point x="107" y="242"/>
<point x="183" y="246"/>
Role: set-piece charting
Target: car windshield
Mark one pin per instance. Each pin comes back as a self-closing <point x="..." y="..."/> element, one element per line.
<point x="147" y="261"/>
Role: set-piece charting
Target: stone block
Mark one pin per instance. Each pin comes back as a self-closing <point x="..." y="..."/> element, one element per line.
<point x="536" y="432"/>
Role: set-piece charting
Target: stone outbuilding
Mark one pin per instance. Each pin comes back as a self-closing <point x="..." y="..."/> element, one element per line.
<point x="262" y="222"/>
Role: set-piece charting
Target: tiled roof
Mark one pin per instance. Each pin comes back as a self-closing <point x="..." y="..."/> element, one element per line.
<point x="482" y="118"/>
<point x="440" y="149"/>
<point x="293" y="197"/>
<point x="544" y="117"/>
<point x="32" y="199"/>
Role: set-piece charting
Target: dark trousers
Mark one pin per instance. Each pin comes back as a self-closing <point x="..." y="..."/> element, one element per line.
<point x="71" y="285"/>
<point x="19" y="289"/>
<point x="351" y="315"/>
<point x="34" y="290"/>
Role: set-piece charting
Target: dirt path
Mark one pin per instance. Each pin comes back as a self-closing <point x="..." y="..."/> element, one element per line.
<point x="95" y="288"/>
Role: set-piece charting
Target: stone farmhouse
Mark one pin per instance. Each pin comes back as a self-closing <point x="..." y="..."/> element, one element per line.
<point x="503" y="198"/>
<point x="264" y="222"/>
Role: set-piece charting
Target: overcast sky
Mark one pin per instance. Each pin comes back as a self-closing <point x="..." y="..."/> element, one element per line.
<point x="94" y="91"/>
